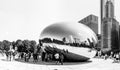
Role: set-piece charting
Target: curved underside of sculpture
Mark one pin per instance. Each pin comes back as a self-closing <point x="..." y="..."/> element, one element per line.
<point x="68" y="56"/>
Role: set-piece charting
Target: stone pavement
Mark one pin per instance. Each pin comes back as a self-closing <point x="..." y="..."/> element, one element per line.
<point x="96" y="64"/>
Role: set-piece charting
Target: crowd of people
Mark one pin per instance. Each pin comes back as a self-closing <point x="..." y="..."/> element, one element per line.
<point x="115" y="56"/>
<point x="36" y="56"/>
<point x="26" y="53"/>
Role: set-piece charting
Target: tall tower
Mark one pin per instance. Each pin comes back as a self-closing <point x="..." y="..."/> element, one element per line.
<point x="109" y="9"/>
<point x="109" y="29"/>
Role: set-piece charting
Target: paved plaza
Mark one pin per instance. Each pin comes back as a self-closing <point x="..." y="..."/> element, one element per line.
<point x="96" y="64"/>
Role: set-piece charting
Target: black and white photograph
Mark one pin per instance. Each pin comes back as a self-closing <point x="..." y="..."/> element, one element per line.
<point x="59" y="35"/>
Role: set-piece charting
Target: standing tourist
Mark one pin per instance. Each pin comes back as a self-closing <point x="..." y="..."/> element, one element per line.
<point x="35" y="56"/>
<point x="57" y="57"/>
<point x="105" y="56"/>
<point x="111" y="55"/>
<point x="13" y="54"/>
<point x="43" y="53"/>
<point x="117" y="57"/>
<point x="61" y="59"/>
<point x="7" y="55"/>
<point x="10" y="52"/>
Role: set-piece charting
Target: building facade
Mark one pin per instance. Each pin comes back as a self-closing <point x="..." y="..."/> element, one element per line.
<point x="109" y="27"/>
<point x="91" y="21"/>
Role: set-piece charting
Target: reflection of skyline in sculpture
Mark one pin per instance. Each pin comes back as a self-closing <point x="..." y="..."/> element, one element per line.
<point x="71" y="39"/>
<point x="71" y="30"/>
<point x="109" y="26"/>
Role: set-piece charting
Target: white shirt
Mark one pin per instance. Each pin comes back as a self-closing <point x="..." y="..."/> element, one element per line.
<point x="57" y="56"/>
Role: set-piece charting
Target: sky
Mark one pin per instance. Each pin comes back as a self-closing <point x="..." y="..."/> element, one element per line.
<point x="25" y="19"/>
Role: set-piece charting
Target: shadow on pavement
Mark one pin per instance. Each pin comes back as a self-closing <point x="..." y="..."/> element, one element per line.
<point x="52" y="62"/>
<point x="4" y="60"/>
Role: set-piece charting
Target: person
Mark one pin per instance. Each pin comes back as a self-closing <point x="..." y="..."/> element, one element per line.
<point x="111" y="55"/>
<point x="29" y="55"/>
<point x="13" y="54"/>
<point x="26" y="58"/>
<point x="7" y="55"/>
<point x="57" y="58"/>
<point x="96" y="55"/>
<point x="47" y="57"/>
<point x="10" y="54"/>
<point x="99" y="54"/>
<point x="117" y="57"/>
<point x="35" y="57"/>
<point x="61" y="59"/>
<point x="10" y="51"/>
<point x="105" y="56"/>
<point x="114" y="58"/>
<point x="22" y="55"/>
<point x="43" y="52"/>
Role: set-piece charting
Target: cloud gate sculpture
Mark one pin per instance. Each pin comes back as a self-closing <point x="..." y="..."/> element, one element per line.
<point x="73" y="40"/>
